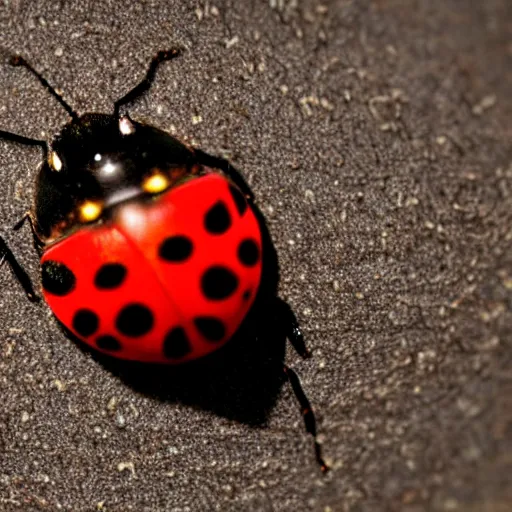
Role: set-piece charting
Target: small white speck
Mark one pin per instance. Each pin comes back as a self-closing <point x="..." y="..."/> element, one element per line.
<point x="309" y="195"/>
<point x="231" y="42"/>
<point x="123" y="466"/>
<point x="451" y="504"/>
<point x="112" y="404"/>
<point x="326" y="104"/>
<point x="120" y="420"/>
<point x="97" y="157"/>
<point x="59" y="52"/>
<point x="59" y="385"/>
<point x="486" y="103"/>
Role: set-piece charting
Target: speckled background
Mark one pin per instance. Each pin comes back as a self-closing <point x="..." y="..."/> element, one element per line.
<point x="377" y="138"/>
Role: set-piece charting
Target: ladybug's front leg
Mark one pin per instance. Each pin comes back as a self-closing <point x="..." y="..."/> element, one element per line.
<point x="7" y="255"/>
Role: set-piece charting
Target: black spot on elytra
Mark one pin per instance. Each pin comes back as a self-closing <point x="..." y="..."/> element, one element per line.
<point x="246" y="295"/>
<point x="57" y="278"/>
<point x="134" y="320"/>
<point x="239" y="199"/>
<point x="108" y="343"/>
<point x="211" y="328"/>
<point x="175" y="248"/>
<point x="85" y="322"/>
<point x="218" y="283"/>
<point x="248" y="252"/>
<point x="217" y="219"/>
<point x="176" y="343"/>
<point x="110" y="275"/>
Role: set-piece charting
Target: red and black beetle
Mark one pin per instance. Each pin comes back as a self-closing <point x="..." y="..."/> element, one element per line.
<point x="150" y="250"/>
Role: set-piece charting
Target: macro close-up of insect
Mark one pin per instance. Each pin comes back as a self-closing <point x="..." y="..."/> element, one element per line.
<point x="255" y="256"/>
<point x="151" y="250"/>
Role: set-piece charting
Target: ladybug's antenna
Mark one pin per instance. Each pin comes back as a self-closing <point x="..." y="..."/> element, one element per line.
<point x="18" y="60"/>
<point x="145" y="85"/>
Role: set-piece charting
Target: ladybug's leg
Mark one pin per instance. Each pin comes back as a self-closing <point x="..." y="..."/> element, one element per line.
<point x="222" y="164"/>
<point x="307" y="413"/>
<point x="19" y="272"/>
<point x="294" y="334"/>
<point x="28" y="216"/>
<point x="144" y="86"/>
<point x="292" y="328"/>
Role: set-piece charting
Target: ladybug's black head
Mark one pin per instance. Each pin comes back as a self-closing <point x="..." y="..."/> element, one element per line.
<point x="99" y="161"/>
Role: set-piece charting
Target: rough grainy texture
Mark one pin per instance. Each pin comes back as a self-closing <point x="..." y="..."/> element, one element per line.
<point x="377" y="138"/>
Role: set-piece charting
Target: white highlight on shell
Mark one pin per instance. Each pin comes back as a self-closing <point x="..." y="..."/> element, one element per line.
<point x="126" y="126"/>
<point x="108" y="168"/>
<point x="133" y="217"/>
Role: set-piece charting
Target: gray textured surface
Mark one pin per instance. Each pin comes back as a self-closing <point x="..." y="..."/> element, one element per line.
<point x="377" y="137"/>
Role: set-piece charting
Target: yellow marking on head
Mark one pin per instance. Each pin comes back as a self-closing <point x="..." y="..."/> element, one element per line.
<point x="156" y="183"/>
<point x="90" y="210"/>
<point x="55" y="162"/>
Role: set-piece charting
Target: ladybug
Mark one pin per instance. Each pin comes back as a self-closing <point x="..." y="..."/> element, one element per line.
<point x="151" y="250"/>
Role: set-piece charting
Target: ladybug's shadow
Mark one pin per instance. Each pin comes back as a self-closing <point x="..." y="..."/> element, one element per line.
<point x="240" y="381"/>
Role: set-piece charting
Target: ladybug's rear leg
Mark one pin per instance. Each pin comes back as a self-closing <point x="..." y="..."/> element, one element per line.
<point x="19" y="272"/>
<point x="222" y="164"/>
<point x="292" y="328"/>
<point x="307" y="413"/>
<point x="294" y="334"/>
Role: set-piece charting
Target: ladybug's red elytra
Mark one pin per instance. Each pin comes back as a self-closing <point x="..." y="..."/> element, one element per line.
<point x="151" y="256"/>
<point x="150" y="250"/>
